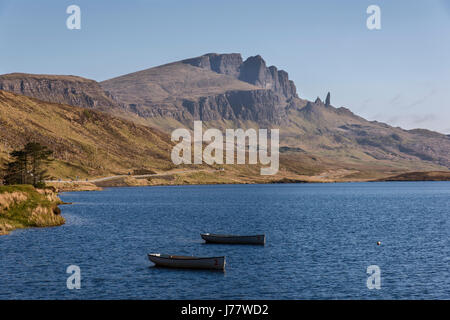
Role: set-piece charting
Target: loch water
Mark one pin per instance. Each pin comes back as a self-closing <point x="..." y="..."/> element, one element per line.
<point x="321" y="238"/>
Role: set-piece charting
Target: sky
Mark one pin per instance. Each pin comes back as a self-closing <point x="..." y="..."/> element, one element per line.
<point x="399" y="74"/>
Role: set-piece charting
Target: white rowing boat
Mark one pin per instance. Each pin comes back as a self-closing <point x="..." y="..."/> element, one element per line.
<point x="234" y="239"/>
<point x="170" y="261"/>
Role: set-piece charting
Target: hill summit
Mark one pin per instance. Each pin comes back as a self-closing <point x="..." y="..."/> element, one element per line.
<point x="253" y="71"/>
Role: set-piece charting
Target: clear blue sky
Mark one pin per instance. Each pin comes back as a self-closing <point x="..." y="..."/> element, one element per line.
<point x="399" y="74"/>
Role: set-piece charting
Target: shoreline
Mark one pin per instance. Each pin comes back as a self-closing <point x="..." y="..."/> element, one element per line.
<point x="141" y="181"/>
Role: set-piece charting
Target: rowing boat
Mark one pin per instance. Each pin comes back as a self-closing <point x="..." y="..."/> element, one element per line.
<point x="171" y="261"/>
<point x="234" y="239"/>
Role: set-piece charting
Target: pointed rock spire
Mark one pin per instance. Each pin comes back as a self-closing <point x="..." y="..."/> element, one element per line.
<point x="327" y="100"/>
<point x="318" y="100"/>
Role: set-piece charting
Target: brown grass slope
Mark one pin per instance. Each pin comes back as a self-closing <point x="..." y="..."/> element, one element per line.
<point x="85" y="142"/>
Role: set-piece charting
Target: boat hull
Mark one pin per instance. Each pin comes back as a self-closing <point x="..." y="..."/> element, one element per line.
<point x="231" y="239"/>
<point x="168" y="261"/>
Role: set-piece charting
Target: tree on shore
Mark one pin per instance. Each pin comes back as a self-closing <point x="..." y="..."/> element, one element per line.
<point x="28" y="165"/>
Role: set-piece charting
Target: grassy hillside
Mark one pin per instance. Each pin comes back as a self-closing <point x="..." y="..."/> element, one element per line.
<point x="86" y="142"/>
<point x="25" y="207"/>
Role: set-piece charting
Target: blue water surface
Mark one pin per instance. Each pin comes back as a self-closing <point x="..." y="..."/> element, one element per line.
<point x="320" y="240"/>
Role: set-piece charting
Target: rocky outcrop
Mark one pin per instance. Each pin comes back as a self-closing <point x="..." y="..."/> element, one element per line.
<point x="69" y="90"/>
<point x="253" y="71"/>
<point x="221" y="63"/>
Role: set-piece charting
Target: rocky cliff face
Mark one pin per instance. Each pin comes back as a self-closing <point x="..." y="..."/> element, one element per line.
<point x="253" y="71"/>
<point x="70" y="90"/>
<point x="257" y="105"/>
<point x="254" y="105"/>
